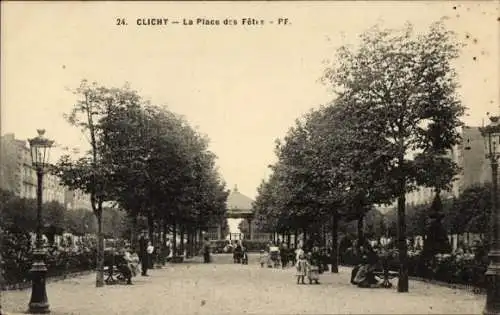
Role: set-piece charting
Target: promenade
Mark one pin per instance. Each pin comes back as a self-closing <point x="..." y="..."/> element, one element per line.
<point x="226" y="288"/>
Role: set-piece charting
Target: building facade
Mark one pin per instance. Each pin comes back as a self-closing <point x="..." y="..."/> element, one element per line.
<point x="474" y="168"/>
<point x="18" y="176"/>
<point x="77" y="199"/>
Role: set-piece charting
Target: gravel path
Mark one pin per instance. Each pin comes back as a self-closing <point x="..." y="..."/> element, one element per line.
<point x="225" y="288"/>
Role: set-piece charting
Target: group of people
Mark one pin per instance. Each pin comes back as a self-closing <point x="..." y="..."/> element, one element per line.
<point x="362" y="274"/>
<point x="130" y="262"/>
<point x="240" y="254"/>
<point x="309" y="265"/>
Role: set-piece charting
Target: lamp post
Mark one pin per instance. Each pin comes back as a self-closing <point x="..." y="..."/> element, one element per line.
<point x="491" y="134"/>
<point x="40" y="147"/>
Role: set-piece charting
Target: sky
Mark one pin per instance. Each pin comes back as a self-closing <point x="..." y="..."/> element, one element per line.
<point x="243" y="86"/>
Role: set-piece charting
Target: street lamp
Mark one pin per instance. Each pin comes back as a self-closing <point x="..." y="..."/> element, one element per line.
<point x="39" y="304"/>
<point x="491" y="134"/>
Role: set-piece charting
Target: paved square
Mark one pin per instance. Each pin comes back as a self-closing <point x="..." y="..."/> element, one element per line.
<point x="226" y="288"/>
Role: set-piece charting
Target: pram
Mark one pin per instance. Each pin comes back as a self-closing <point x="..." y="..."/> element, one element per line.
<point x="274" y="257"/>
<point x="313" y="274"/>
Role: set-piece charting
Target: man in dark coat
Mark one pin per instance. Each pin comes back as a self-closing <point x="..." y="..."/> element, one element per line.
<point x="237" y="253"/>
<point x="143" y="254"/>
<point x="206" y="251"/>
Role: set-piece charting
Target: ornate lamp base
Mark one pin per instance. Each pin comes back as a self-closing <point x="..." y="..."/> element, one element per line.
<point x="493" y="285"/>
<point x="39" y="303"/>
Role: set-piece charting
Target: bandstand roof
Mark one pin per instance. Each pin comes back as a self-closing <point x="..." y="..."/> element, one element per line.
<point x="239" y="204"/>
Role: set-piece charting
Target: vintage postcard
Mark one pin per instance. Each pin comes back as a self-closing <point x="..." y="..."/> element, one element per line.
<point x="250" y="157"/>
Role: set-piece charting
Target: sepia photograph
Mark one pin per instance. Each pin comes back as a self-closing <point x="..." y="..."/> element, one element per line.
<point x="249" y="157"/>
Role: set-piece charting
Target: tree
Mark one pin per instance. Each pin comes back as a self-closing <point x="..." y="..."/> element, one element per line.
<point x="470" y="211"/>
<point x="15" y="212"/>
<point x="89" y="173"/>
<point x="80" y="221"/>
<point x="399" y="86"/>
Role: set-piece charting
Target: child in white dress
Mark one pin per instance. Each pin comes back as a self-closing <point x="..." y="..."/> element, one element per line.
<point x="301" y="266"/>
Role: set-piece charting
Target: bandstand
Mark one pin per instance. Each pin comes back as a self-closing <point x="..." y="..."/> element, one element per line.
<point x="239" y="206"/>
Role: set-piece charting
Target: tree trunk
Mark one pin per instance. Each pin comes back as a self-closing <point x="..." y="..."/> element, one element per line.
<point x="191" y="242"/>
<point x="133" y="230"/>
<point x="181" y="228"/>
<point x="334" y="251"/>
<point x="195" y="241"/>
<point x="99" y="280"/>
<point x="304" y="239"/>
<point x="200" y="238"/>
<point x="402" y="248"/>
<point x="165" y="231"/>
<point x="288" y="239"/>
<point x="361" y="237"/>
<point x="151" y="227"/>
<point x="324" y="234"/>
<point x="295" y="237"/>
<point x="174" y="239"/>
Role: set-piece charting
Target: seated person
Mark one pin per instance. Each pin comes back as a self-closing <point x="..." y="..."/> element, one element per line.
<point x="122" y="262"/>
<point x="133" y="261"/>
<point x="364" y="277"/>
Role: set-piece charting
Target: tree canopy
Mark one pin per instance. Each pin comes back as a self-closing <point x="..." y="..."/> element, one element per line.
<point x="394" y="117"/>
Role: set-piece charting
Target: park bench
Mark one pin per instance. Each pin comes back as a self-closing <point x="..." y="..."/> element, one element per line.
<point x="113" y="275"/>
<point x="386" y="276"/>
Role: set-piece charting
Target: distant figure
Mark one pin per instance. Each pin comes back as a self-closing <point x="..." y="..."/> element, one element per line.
<point x="284" y="255"/>
<point x="244" y="255"/>
<point x="143" y="254"/>
<point x="168" y="248"/>
<point x="237" y="253"/>
<point x="206" y="251"/>
<point x="299" y="251"/>
<point x="263" y="258"/>
<point x="150" y="250"/>
<point x="301" y="269"/>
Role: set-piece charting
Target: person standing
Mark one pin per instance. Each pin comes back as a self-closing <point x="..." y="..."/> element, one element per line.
<point x="168" y="249"/>
<point x="284" y="255"/>
<point x="237" y="253"/>
<point x="150" y="251"/>
<point x="206" y="251"/>
<point x="301" y="269"/>
<point x="143" y="254"/>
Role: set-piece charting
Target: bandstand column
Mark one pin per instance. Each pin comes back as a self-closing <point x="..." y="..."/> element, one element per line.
<point x="250" y="232"/>
<point x="219" y="231"/>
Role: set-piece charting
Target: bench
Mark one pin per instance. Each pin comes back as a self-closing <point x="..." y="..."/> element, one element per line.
<point x="113" y="275"/>
<point x="386" y="276"/>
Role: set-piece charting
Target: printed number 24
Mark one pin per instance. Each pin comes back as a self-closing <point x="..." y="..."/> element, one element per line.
<point x="120" y="21"/>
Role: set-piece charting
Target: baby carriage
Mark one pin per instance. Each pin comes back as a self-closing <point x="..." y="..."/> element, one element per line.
<point x="313" y="274"/>
<point x="274" y="257"/>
